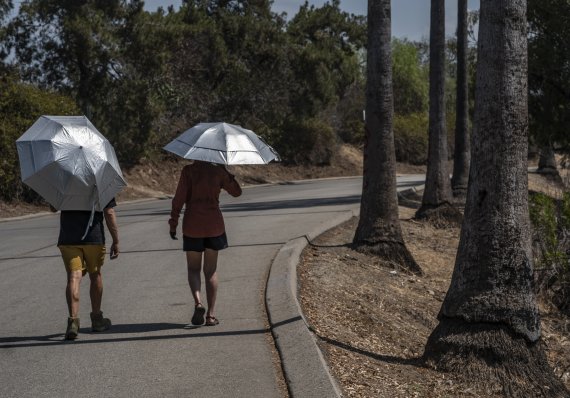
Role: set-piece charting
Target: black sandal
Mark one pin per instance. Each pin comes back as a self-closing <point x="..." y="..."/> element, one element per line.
<point x="198" y="317"/>
<point x="211" y="321"/>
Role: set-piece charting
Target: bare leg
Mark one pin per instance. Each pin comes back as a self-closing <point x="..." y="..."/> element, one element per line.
<point x="211" y="277"/>
<point x="194" y="261"/>
<point x="96" y="291"/>
<point x="72" y="292"/>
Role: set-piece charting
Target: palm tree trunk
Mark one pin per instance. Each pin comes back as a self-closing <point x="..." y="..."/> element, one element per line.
<point x="379" y="230"/>
<point x="436" y="201"/>
<point x="462" y="155"/>
<point x="547" y="161"/>
<point x="489" y="328"/>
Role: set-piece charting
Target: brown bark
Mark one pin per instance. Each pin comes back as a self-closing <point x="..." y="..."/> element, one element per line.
<point x="462" y="153"/>
<point x="489" y="321"/>
<point x="379" y="230"/>
<point x="437" y="188"/>
<point x="492" y="358"/>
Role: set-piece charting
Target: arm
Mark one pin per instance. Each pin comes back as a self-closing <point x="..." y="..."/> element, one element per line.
<point x="230" y="184"/>
<point x="111" y="220"/>
<point x="178" y="202"/>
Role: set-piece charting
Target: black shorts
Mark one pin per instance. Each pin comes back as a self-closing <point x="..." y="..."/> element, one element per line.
<point x="200" y="244"/>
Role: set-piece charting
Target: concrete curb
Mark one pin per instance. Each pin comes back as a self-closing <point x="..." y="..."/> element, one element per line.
<point x="306" y="371"/>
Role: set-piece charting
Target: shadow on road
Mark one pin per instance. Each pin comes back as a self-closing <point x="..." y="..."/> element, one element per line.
<point x="262" y="206"/>
<point x="275" y="205"/>
<point x="176" y="249"/>
<point x="107" y="337"/>
<point x="291" y="204"/>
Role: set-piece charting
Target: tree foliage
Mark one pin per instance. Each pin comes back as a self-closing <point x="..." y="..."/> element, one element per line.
<point x="144" y="77"/>
<point x="5" y="7"/>
<point x="20" y="105"/>
<point x="410" y="79"/>
<point x="325" y="45"/>
<point x="103" y="54"/>
<point x="549" y="71"/>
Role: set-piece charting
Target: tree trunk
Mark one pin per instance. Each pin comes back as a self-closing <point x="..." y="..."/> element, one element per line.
<point x="462" y="155"/>
<point x="489" y="330"/>
<point x="379" y="230"/>
<point x="436" y="201"/>
<point x="547" y="161"/>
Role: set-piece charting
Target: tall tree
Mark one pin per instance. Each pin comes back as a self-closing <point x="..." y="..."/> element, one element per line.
<point x="437" y="194"/>
<point x="379" y="230"/>
<point x="462" y="153"/>
<point x="489" y="329"/>
<point x="68" y="45"/>
<point x="325" y="45"/>
<point x="86" y="49"/>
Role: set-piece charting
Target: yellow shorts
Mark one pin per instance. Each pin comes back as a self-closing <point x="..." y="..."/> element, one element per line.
<point x="88" y="258"/>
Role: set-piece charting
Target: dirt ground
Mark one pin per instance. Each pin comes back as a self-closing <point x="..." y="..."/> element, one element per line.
<point x="372" y="321"/>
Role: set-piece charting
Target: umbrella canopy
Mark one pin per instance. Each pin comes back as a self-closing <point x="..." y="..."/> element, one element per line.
<point x="222" y="143"/>
<point x="69" y="163"/>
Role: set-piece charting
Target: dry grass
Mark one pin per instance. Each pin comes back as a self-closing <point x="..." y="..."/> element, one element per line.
<point x="373" y="322"/>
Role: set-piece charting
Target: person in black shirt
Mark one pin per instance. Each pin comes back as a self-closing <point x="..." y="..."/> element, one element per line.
<point x="82" y="245"/>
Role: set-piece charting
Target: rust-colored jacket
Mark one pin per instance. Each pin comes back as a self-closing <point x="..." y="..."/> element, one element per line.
<point x="199" y="189"/>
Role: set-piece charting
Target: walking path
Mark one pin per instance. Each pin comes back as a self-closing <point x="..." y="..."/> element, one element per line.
<point x="151" y="351"/>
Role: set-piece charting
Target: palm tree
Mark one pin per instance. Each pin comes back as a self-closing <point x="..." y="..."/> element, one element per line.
<point x="379" y="230"/>
<point x="437" y="194"/>
<point x="462" y="155"/>
<point x="547" y="161"/>
<point x="489" y="328"/>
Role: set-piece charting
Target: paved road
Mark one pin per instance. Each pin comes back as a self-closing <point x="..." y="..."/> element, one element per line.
<point x="151" y="351"/>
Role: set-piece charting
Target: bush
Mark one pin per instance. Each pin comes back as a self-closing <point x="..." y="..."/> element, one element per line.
<point x="310" y="141"/>
<point x="411" y="138"/>
<point x="550" y="220"/>
<point x="349" y="113"/>
<point x="20" y="106"/>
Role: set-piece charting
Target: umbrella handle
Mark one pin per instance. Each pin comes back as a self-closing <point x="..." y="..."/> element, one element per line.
<point x="90" y="223"/>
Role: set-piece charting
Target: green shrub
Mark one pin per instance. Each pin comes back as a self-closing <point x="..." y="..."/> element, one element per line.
<point x="310" y="141"/>
<point x="542" y="210"/>
<point x="411" y="138"/>
<point x="565" y="211"/>
<point x="20" y="106"/>
<point x="349" y="112"/>
<point x="551" y="245"/>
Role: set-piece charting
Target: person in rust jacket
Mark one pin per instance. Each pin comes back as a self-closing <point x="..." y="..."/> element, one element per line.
<point x="203" y="228"/>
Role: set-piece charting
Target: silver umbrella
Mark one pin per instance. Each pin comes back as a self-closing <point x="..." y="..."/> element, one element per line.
<point x="69" y="163"/>
<point x="222" y="143"/>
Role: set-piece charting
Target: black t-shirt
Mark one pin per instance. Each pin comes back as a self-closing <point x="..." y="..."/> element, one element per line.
<point x="73" y="223"/>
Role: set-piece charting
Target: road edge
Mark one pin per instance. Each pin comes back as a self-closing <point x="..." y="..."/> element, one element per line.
<point x="305" y="369"/>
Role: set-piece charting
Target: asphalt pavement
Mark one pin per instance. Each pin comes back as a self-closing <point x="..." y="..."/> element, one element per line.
<point x="261" y="348"/>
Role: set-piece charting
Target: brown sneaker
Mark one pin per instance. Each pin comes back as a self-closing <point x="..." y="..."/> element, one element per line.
<point x="72" y="328"/>
<point x="98" y="323"/>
